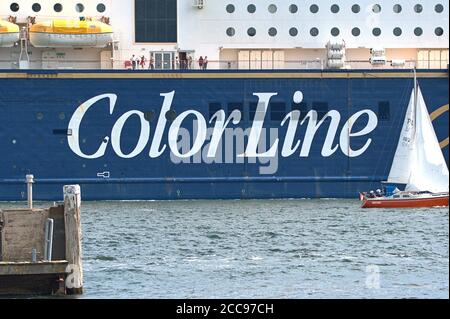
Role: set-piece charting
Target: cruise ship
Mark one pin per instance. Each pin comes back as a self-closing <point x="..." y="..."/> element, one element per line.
<point x="213" y="99"/>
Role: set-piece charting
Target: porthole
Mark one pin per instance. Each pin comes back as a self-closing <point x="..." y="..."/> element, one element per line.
<point x="230" y="8"/>
<point x="356" y="8"/>
<point x="101" y="8"/>
<point x="376" y="32"/>
<point x="356" y="32"/>
<point x="272" y="32"/>
<point x="418" y="31"/>
<point x="39" y="116"/>
<point x="293" y="32"/>
<point x="149" y="116"/>
<point x="418" y="8"/>
<point x="335" y="8"/>
<point x="439" y="31"/>
<point x="171" y="115"/>
<point x="14" y="7"/>
<point x="272" y="8"/>
<point x="36" y="7"/>
<point x="62" y="116"/>
<point x="397" y="8"/>
<point x="376" y="8"/>
<point x="231" y="32"/>
<point x="314" y="8"/>
<point x="314" y="32"/>
<point x="293" y="8"/>
<point x="251" y="32"/>
<point x="79" y="7"/>
<point x="58" y="7"/>
<point x="251" y="8"/>
<point x="397" y="31"/>
<point x="439" y="8"/>
<point x="335" y="32"/>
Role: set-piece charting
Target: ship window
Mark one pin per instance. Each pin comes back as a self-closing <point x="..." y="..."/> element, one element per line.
<point x="213" y="108"/>
<point x="418" y="8"/>
<point x="251" y="8"/>
<point x="397" y="8"/>
<point x="231" y="32"/>
<point x="156" y="21"/>
<point x="397" y="32"/>
<point x="230" y="8"/>
<point x="14" y="7"/>
<point x="439" y="32"/>
<point x="384" y="111"/>
<point x="356" y="32"/>
<point x="101" y="8"/>
<point x="302" y="107"/>
<point x="272" y="8"/>
<point x="376" y="32"/>
<point x="335" y="8"/>
<point x="439" y="8"/>
<point x="62" y="116"/>
<point x="293" y="8"/>
<point x="235" y="106"/>
<point x="418" y="31"/>
<point x="36" y="7"/>
<point x="277" y="111"/>
<point x="171" y="115"/>
<point x="356" y="8"/>
<point x="314" y="32"/>
<point x="252" y="111"/>
<point x="272" y="32"/>
<point x="39" y="116"/>
<point x="58" y="7"/>
<point x="321" y="108"/>
<point x="314" y="8"/>
<point x="335" y="32"/>
<point x="293" y="32"/>
<point x="376" y="8"/>
<point x="79" y="7"/>
<point x="251" y="32"/>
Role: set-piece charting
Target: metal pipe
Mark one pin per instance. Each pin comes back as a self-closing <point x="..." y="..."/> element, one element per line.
<point x="48" y="245"/>
<point x="34" y="255"/>
<point x="30" y="181"/>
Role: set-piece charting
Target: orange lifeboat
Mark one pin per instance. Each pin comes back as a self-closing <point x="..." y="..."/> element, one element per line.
<point x="9" y="34"/>
<point x="70" y="33"/>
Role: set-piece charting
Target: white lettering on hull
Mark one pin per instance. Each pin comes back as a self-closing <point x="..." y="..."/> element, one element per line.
<point x="182" y="149"/>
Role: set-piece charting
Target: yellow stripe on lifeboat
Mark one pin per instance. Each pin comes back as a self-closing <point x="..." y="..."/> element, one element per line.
<point x="9" y="34"/>
<point x="70" y="33"/>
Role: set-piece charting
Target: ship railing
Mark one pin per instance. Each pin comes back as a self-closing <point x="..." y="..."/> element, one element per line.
<point x="92" y="64"/>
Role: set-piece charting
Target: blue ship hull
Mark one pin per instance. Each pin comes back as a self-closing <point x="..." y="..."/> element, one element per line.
<point x="103" y="153"/>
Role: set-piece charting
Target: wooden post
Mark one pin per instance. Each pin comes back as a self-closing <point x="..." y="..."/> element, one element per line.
<point x="72" y="204"/>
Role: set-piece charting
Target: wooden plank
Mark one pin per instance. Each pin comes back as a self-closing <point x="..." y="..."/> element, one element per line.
<point x="72" y="205"/>
<point x="29" y="268"/>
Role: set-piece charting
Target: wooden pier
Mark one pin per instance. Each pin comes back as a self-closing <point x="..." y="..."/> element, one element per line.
<point x="40" y="249"/>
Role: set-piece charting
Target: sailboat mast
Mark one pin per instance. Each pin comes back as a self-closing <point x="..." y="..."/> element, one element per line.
<point x="415" y="104"/>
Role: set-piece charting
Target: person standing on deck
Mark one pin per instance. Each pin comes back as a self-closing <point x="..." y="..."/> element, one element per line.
<point x="200" y="62"/>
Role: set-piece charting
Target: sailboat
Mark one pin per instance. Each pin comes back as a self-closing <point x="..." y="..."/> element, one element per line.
<point x="418" y="163"/>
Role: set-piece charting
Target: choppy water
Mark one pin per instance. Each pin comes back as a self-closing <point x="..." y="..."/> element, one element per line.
<point x="263" y="249"/>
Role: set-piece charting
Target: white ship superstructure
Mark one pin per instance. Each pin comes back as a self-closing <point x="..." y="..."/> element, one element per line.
<point x="232" y="34"/>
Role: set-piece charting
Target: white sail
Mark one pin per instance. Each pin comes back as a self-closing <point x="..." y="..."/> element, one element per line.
<point x="403" y="158"/>
<point x="418" y="161"/>
<point x="429" y="171"/>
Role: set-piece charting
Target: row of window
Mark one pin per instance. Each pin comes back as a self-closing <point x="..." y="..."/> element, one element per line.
<point x="334" y="32"/>
<point x="57" y="7"/>
<point x="314" y="8"/>
<point x="277" y="110"/>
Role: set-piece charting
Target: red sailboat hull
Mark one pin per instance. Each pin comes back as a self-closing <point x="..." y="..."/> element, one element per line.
<point x="431" y="201"/>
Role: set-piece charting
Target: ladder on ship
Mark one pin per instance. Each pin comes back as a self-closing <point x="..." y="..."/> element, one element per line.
<point x="24" y="57"/>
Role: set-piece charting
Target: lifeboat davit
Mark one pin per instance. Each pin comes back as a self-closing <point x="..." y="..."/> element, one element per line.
<point x="70" y="33"/>
<point x="9" y="34"/>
